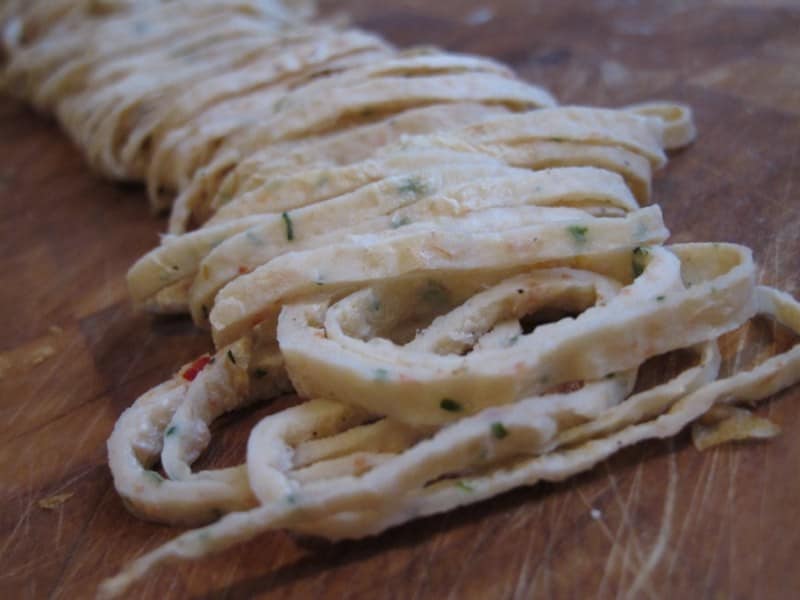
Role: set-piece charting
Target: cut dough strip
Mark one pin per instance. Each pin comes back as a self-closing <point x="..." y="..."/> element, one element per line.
<point x="447" y="245"/>
<point x="456" y="272"/>
<point x="395" y="491"/>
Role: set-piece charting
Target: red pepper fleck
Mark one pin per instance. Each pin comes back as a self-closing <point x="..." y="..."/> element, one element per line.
<point x="191" y="372"/>
<point x="243" y="270"/>
<point x="566" y="388"/>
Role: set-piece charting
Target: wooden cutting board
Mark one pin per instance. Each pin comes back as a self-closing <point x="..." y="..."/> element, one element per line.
<point x="656" y="521"/>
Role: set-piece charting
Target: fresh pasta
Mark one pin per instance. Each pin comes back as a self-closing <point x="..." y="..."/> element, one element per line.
<point x="462" y="278"/>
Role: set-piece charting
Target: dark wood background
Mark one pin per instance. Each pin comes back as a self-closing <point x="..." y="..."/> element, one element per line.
<point x="657" y="521"/>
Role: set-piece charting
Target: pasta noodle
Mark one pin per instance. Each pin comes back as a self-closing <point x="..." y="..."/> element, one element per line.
<point x="397" y="489"/>
<point x="461" y="277"/>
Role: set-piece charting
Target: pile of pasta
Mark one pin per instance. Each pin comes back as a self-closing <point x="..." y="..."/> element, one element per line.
<point x="461" y="277"/>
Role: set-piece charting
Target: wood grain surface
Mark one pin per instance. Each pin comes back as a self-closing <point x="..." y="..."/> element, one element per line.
<point x="659" y="520"/>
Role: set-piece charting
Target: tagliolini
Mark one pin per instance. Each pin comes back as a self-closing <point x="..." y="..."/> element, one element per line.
<point x="463" y="278"/>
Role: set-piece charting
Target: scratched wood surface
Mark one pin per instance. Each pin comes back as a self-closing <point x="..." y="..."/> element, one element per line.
<point x="657" y="521"/>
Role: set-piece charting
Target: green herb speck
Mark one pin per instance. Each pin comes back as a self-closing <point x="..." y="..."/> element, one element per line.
<point x="381" y="375"/>
<point x="578" y="233"/>
<point x="155" y="477"/>
<point x="499" y="430"/>
<point x="435" y="294"/>
<point x="660" y="298"/>
<point x="413" y="186"/>
<point x="465" y="486"/>
<point x="639" y="260"/>
<point x="449" y="405"/>
<point x="231" y="357"/>
<point x="398" y="222"/>
<point x="287" y="221"/>
<point x="171" y="430"/>
<point x="260" y="373"/>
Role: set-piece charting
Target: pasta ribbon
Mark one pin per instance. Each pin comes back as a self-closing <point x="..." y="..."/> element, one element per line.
<point x="362" y="483"/>
<point x="460" y="278"/>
